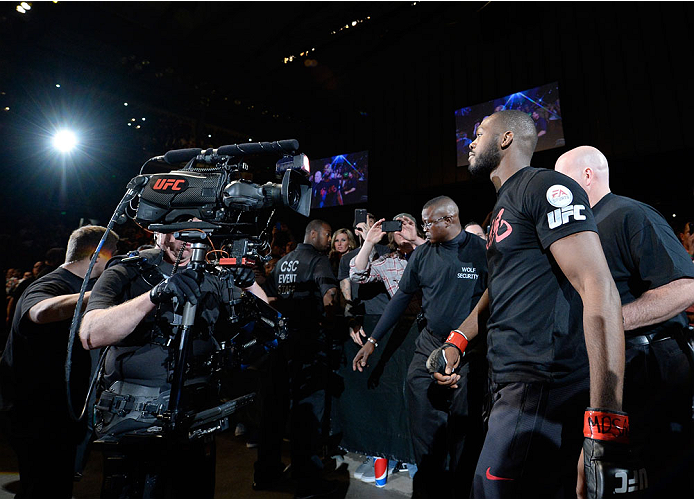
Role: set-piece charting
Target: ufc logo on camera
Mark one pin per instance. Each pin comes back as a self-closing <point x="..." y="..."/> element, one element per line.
<point x="170" y="184"/>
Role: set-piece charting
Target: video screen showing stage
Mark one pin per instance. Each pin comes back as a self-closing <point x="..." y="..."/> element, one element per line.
<point x="339" y="180"/>
<point x="542" y="103"/>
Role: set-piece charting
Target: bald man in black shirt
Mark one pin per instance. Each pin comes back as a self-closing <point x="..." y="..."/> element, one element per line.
<point x="655" y="279"/>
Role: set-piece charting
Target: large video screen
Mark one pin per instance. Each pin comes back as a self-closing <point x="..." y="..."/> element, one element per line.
<point x="339" y="180"/>
<point x="542" y="103"/>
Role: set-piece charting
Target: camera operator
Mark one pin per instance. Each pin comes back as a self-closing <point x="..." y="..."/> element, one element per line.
<point x="132" y="308"/>
<point x="306" y="292"/>
<point x="33" y="370"/>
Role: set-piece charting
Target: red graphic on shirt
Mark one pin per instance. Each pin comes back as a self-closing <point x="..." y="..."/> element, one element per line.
<point x="492" y="477"/>
<point x="500" y="229"/>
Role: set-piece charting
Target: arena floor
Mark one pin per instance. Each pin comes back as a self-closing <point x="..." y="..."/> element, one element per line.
<point x="234" y="475"/>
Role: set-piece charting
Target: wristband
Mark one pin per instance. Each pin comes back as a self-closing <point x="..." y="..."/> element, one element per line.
<point x="371" y="340"/>
<point x="606" y="425"/>
<point x="458" y="339"/>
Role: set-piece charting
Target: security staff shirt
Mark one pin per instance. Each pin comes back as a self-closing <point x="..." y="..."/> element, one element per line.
<point x="299" y="280"/>
<point x="33" y="362"/>
<point x="452" y="277"/>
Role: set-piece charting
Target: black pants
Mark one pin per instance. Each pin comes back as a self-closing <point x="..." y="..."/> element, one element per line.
<point x="446" y="424"/>
<point x="658" y="399"/>
<point x="293" y="388"/>
<point x="159" y="468"/>
<point x="533" y="442"/>
<point x="45" y="449"/>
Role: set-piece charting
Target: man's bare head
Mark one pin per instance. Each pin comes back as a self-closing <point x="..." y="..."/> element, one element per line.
<point x="441" y="220"/>
<point x="589" y="168"/>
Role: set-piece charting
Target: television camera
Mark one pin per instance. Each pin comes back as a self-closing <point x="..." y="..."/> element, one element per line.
<point x="210" y="203"/>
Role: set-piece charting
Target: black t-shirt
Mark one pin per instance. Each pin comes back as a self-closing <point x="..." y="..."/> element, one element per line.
<point x="642" y="252"/>
<point x="452" y="277"/>
<point x="142" y="356"/>
<point x="299" y="280"/>
<point x="535" y="328"/>
<point x="371" y="297"/>
<point x="33" y="363"/>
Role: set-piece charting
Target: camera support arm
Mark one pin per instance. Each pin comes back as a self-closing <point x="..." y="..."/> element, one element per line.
<point x="183" y="336"/>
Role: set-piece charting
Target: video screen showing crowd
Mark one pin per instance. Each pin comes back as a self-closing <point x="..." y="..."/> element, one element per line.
<point x="544" y="354"/>
<point x="340" y="180"/>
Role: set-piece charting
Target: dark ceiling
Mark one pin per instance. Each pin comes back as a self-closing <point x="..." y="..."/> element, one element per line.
<point x="225" y="60"/>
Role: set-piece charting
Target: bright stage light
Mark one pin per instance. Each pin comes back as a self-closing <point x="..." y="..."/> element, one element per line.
<point x="64" y="140"/>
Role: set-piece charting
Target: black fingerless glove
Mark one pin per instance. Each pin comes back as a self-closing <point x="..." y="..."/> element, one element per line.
<point x="610" y="467"/>
<point x="182" y="285"/>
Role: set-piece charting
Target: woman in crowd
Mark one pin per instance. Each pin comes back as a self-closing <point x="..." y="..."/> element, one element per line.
<point x="343" y="241"/>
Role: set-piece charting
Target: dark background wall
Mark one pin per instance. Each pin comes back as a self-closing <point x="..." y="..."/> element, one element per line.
<point x="623" y="72"/>
<point x="389" y="85"/>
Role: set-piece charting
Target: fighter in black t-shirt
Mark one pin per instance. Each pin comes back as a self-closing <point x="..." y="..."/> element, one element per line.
<point x="544" y="259"/>
<point x="655" y="279"/>
<point x="33" y="370"/>
<point x="451" y="273"/>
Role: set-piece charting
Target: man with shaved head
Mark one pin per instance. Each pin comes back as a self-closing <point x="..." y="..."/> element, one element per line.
<point x="655" y="279"/>
<point x="450" y="270"/>
<point x="545" y="262"/>
<point x="295" y="381"/>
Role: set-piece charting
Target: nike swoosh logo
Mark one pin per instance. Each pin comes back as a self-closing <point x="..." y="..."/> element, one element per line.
<point x="492" y="477"/>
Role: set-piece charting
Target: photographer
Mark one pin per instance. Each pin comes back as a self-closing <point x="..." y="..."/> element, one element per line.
<point x="132" y="308"/>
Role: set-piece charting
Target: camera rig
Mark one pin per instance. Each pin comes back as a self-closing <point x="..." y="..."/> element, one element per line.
<point x="210" y="189"/>
<point x="203" y="203"/>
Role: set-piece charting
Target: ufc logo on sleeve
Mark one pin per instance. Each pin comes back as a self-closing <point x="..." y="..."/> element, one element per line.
<point x="562" y="216"/>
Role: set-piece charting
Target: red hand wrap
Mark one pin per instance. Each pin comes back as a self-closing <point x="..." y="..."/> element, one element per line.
<point x="606" y="425"/>
<point x="458" y="339"/>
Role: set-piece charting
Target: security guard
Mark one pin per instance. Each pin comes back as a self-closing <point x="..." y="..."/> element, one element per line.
<point x="305" y="290"/>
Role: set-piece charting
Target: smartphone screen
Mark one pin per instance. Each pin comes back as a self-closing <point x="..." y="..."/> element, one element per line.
<point x="391" y="226"/>
<point x="359" y="216"/>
